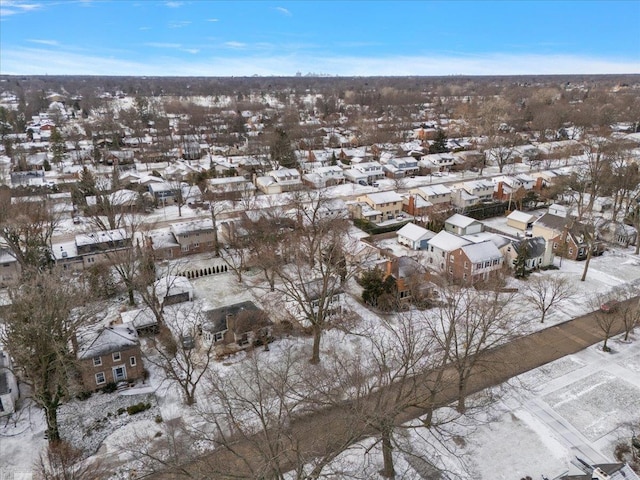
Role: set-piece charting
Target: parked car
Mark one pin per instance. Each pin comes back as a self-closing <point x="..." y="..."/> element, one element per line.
<point x="609" y="306"/>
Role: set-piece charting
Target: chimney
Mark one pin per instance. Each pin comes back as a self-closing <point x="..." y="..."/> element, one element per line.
<point x="500" y="192"/>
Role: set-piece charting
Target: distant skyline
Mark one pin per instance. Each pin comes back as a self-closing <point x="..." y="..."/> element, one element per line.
<point x="363" y="38"/>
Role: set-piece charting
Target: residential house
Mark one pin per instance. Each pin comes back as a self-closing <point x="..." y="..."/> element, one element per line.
<point x="388" y="205"/>
<point x="462" y="225"/>
<point x="121" y="201"/>
<point x="364" y="173"/>
<point x="414" y="236"/>
<point x="440" y="247"/>
<point x="535" y="252"/>
<point x="109" y="355"/>
<point x="434" y="193"/>
<point x="474" y="262"/>
<point x="9" y="392"/>
<point x="462" y="199"/>
<point x="602" y="471"/>
<point x="96" y="247"/>
<point x="317" y="297"/>
<point x="483" y="189"/>
<point x="195" y="236"/>
<point x="413" y="280"/>
<point x="322" y="177"/>
<point x="163" y="193"/>
<point x="507" y="188"/>
<point x="230" y="188"/>
<point x="401" y="167"/>
<point x="520" y="220"/>
<point x="141" y="319"/>
<point x="437" y="162"/>
<point x="566" y="236"/>
<point x="238" y="325"/>
<point x="10" y="269"/>
<point x="279" y="181"/>
<point x="164" y="245"/>
<point x="172" y="289"/>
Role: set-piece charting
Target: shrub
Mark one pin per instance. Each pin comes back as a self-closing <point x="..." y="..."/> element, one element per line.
<point x="83" y="395"/>
<point x="138" y="407"/>
<point x="110" y="387"/>
<point x="158" y="419"/>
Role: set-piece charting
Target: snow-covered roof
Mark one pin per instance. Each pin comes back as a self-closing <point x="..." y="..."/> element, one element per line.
<point x="106" y="340"/>
<point x="415" y="232"/>
<point x="184" y="228"/>
<point x="384" y="197"/>
<point x="448" y="241"/>
<point x="462" y="221"/>
<point x="479" y="252"/>
<point x="139" y="318"/>
<point x="116" y="235"/>
<point x="519" y="216"/>
<point x="172" y="285"/>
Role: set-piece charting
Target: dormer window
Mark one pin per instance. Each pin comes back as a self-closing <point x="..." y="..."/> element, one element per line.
<point x="116" y="356"/>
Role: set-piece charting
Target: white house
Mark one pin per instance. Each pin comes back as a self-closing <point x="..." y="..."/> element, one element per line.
<point x="520" y="220"/>
<point x="462" y="225"/>
<point x="434" y="193"/>
<point x="414" y="236"/>
<point x="440" y="247"/>
<point x="9" y="392"/>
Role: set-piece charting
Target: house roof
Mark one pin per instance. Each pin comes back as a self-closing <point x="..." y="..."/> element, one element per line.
<point x="172" y="285"/>
<point x="479" y="252"/>
<point x="106" y="236"/>
<point x="551" y="221"/>
<point x="448" y="241"/>
<point x="199" y="225"/>
<point x="498" y="240"/>
<point x="535" y="246"/>
<point x="415" y="232"/>
<point x="139" y="318"/>
<point x="107" y="340"/>
<point x="216" y="320"/>
<point x="384" y="197"/>
<point x="461" y="221"/>
<point x="519" y="216"/>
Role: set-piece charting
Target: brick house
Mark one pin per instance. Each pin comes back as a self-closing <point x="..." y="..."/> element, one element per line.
<point x="196" y="236"/>
<point x="475" y="262"/>
<point x="387" y="205"/>
<point x="110" y="354"/>
<point x="238" y="325"/>
<point x="413" y="280"/>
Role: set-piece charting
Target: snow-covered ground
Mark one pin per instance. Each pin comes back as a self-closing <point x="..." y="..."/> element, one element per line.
<point x="570" y="407"/>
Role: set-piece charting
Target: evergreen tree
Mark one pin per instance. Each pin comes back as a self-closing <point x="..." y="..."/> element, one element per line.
<point x="57" y="145"/>
<point x="520" y="263"/>
<point x="439" y="145"/>
<point x="281" y="151"/>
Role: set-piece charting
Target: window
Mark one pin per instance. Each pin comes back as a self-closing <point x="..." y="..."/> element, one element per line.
<point x="116" y="356"/>
<point x="218" y="336"/>
<point x="555" y="245"/>
<point x="119" y="374"/>
<point x="432" y="248"/>
<point x="571" y="251"/>
<point x="132" y="361"/>
<point x="466" y="264"/>
<point x="450" y="269"/>
<point x="97" y="361"/>
<point x="442" y="254"/>
<point x="100" y="378"/>
<point x="451" y="258"/>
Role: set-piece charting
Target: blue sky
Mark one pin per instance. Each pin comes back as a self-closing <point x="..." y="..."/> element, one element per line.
<point x="220" y="38"/>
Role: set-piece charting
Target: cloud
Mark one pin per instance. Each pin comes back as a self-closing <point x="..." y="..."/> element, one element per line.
<point x="43" y="42"/>
<point x="15" y="7"/>
<point x="235" y="44"/>
<point x="284" y="11"/>
<point x="144" y="28"/>
<point x="212" y="20"/>
<point x="173" y="4"/>
<point x="192" y="51"/>
<point x="38" y="61"/>
<point x="162" y="45"/>
<point x="179" y="24"/>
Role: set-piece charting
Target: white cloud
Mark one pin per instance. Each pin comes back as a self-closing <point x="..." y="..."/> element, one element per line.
<point x="212" y="20"/>
<point x="179" y="24"/>
<point x="173" y="4"/>
<point x="235" y="44"/>
<point x="43" y="42"/>
<point x="33" y="61"/>
<point x="144" y="28"/>
<point x="284" y="11"/>
<point x="162" y="45"/>
<point x="14" y="7"/>
<point x="192" y="51"/>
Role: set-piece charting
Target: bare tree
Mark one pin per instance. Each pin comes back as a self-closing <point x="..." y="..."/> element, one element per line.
<point x="61" y="461"/>
<point x="606" y="318"/>
<point x="40" y="328"/>
<point x="178" y="351"/>
<point x="27" y="228"/>
<point x="545" y="292"/>
<point x="479" y="320"/>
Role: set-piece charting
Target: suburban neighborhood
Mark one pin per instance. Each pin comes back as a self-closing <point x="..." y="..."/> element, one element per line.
<point x="190" y="281"/>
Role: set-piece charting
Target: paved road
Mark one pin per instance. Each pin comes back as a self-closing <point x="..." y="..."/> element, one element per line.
<point x="317" y="434"/>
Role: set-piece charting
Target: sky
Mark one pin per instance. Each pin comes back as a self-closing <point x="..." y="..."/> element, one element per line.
<point x="330" y="37"/>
